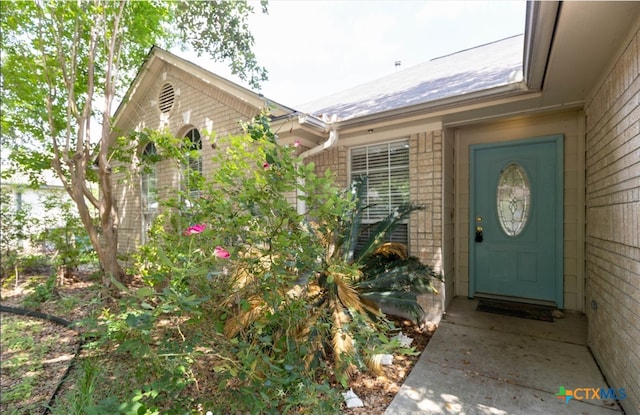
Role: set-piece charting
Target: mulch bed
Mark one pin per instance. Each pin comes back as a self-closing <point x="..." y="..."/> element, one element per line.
<point x="376" y="392"/>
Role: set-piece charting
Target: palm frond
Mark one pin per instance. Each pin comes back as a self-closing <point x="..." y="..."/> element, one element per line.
<point x="308" y="333"/>
<point x="374" y="364"/>
<point x="406" y="275"/>
<point x="392" y="250"/>
<point x="384" y="228"/>
<point x="353" y="221"/>
<point x="351" y="299"/>
<point x="342" y="341"/>
<point x="406" y="302"/>
<point x="235" y="324"/>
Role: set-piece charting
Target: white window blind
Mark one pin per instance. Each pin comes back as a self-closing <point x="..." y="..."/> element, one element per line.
<point x="386" y="167"/>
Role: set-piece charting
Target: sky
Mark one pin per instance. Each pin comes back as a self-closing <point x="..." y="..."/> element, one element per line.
<point x="313" y="48"/>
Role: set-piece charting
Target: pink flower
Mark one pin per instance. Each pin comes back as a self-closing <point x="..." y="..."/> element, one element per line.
<point x="296" y="143"/>
<point x="266" y="166"/>
<point x="198" y="228"/>
<point x="220" y="252"/>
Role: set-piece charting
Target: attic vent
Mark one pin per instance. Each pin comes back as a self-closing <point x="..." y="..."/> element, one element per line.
<point x="166" y="98"/>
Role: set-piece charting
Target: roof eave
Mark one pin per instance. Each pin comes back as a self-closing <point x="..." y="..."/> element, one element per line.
<point x="437" y="109"/>
<point x="247" y="96"/>
<point x="134" y="85"/>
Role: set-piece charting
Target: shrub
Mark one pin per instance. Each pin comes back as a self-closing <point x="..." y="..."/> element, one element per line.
<point x="64" y="239"/>
<point x="15" y="230"/>
<point x="242" y="290"/>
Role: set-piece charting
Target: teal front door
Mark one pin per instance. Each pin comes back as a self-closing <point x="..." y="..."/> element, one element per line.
<point x="516" y="222"/>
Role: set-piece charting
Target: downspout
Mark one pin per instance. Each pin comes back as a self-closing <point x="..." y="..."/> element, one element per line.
<point x="331" y="141"/>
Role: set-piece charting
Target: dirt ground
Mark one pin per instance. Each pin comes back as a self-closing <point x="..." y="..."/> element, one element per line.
<point x="376" y="392"/>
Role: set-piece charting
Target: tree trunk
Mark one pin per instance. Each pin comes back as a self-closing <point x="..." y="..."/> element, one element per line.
<point x="109" y="251"/>
<point x="107" y="247"/>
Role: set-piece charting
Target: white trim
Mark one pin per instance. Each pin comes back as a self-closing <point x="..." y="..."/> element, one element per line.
<point x="379" y="136"/>
<point x="581" y="172"/>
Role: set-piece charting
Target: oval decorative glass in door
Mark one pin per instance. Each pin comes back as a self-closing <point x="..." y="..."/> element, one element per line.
<point x="513" y="199"/>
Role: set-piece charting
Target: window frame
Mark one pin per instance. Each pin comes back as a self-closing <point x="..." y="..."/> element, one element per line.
<point x="148" y="210"/>
<point x="403" y="228"/>
<point x="192" y="163"/>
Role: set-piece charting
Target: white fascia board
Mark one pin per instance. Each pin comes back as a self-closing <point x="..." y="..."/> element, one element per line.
<point x="436" y="109"/>
<point x="246" y="95"/>
<point x="540" y="26"/>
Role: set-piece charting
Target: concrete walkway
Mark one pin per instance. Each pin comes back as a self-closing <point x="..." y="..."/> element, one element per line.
<point x="483" y="363"/>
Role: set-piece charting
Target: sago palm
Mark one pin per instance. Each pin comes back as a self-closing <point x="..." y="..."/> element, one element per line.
<point x="344" y="293"/>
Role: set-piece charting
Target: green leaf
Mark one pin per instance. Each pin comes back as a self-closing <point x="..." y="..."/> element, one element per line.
<point x="120" y="286"/>
<point x="144" y="292"/>
<point x="385" y="227"/>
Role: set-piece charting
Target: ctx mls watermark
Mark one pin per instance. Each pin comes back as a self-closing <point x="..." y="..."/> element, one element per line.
<point x="584" y="394"/>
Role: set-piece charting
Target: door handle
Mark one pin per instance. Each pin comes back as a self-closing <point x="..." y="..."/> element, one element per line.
<point x="479" y="236"/>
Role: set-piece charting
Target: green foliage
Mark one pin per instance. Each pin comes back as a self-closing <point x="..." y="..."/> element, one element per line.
<point x="243" y="291"/>
<point x="81" y="398"/>
<point x="64" y="64"/>
<point x="64" y="238"/>
<point x="42" y="292"/>
<point x="15" y="228"/>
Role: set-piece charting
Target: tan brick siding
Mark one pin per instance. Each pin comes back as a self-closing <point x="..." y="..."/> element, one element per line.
<point x="425" y="187"/>
<point x="197" y="105"/>
<point x="335" y="159"/>
<point x="426" y="226"/>
<point x="613" y="224"/>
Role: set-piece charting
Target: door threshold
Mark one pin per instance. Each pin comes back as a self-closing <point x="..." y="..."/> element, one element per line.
<point x="516" y="299"/>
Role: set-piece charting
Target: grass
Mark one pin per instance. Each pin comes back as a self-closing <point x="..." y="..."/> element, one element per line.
<point x="82" y="395"/>
<point x="36" y="352"/>
<point x="23" y="363"/>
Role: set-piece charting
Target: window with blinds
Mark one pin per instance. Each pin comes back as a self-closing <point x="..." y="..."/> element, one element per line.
<point x="386" y="167"/>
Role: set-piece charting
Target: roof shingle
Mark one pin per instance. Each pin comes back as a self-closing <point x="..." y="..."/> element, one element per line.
<point x="484" y="67"/>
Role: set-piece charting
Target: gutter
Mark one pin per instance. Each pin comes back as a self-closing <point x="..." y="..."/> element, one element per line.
<point x="540" y="27"/>
<point x="330" y="142"/>
<point x="514" y="91"/>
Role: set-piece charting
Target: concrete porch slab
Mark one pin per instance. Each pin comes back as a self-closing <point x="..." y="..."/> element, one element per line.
<point x="481" y="363"/>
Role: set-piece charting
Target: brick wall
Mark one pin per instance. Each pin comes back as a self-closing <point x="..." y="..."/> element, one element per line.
<point x="425" y="166"/>
<point x="425" y="226"/>
<point x="613" y="224"/>
<point x="197" y="105"/>
<point x="448" y="215"/>
<point x="335" y="159"/>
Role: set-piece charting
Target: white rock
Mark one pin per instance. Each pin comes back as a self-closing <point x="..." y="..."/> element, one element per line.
<point x="404" y="340"/>
<point x="384" y="359"/>
<point x="352" y="400"/>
